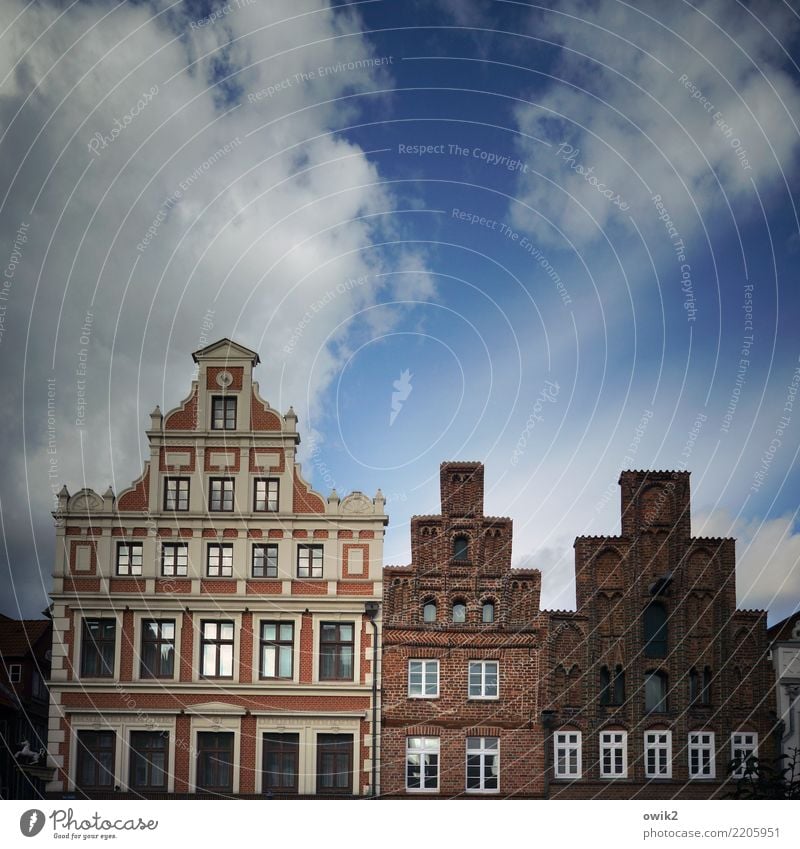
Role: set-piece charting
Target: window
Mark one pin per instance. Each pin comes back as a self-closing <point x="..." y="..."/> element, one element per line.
<point x="280" y="763"/>
<point x="216" y="649"/>
<point x="568" y="754"/>
<point x="744" y="746"/>
<point x="14" y="673"/>
<point x="423" y="679"/>
<point x="487" y="612"/>
<point x="459" y="612"/>
<point x="149" y="760"/>
<point x="277" y="648"/>
<point x="658" y="754"/>
<point x="265" y="497"/>
<point x="701" y="754"/>
<point x="309" y="561"/>
<point x="656" y="686"/>
<point x="605" y="686"/>
<point x="705" y="690"/>
<point x="220" y="495"/>
<point x="220" y="560"/>
<point x="483" y="764"/>
<point x="422" y="763"/>
<point x="612" y="687"/>
<point x="215" y="761"/>
<point x="174" y="559"/>
<point x="693" y="685"/>
<point x="483" y="679"/>
<point x="176" y="493"/>
<point x="95" y="767"/>
<point x="336" y="651"/>
<point x="223" y="413"/>
<point x="655" y="630"/>
<point x="429" y="611"/>
<point x="129" y="558"/>
<point x="334" y="764"/>
<point x="613" y="754"/>
<point x="158" y="648"/>
<point x="460" y="548"/>
<point x="97" y="648"/>
<point x="265" y="560"/>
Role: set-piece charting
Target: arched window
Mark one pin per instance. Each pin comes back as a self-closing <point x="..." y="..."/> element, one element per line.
<point x="459" y="612"/>
<point x="693" y="688"/>
<point x="460" y="548"/>
<point x="487" y="612"/>
<point x="619" y="685"/>
<point x="656" y="686"/>
<point x="429" y="611"/>
<point x="655" y="630"/>
<point x="705" y="692"/>
<point x="605" y="686"/>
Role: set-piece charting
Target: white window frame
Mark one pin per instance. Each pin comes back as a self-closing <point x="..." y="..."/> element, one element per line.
<point x="738" y="743"/>
<point x="135" y="558"/>
<point x="483" y="664"/>
<point x="14" y="673"/>
<point x="652" y="743"/>
<point x="697" y="744"/>
<point x="427" y="747"/>
<point x="425" y="662"/>
<point x="561" y="740"/>
<point x="482" y="751"/>
<point x="608" y="743"/>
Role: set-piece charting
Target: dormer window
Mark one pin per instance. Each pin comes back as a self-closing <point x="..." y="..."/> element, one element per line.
<point x="223" y="412"/>
<point x="460" y="548"/>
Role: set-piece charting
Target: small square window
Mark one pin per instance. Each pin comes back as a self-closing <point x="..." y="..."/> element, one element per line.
<point x="265" y="560"/>
<point x="176" y="493"/>
<point x="265" y="495"/>
<point x="423" y="679"/>
<point x="484" y="679"/>
<point x="309" y="561"/>
<point x="174" y="559"/>
<point x="220" y="495"/>
<point x="220" y="560"/>
<point x="129" y="558"/>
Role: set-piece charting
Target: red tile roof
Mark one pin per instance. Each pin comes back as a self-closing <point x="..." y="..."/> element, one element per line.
<point x="18" y="636"/>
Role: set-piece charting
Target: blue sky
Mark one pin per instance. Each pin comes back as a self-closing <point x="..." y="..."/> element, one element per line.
<point x="564" y="222"/>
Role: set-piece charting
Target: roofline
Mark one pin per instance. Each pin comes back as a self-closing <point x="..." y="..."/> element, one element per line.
<point x="253" y="354"/>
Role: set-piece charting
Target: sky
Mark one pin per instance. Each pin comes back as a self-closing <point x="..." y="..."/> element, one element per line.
<point x="559" y="238"/>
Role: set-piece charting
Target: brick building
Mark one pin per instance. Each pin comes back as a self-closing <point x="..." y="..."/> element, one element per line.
<point x="214" y="624"/>
<point x="656" y="682"/>
<point x="461" y="651"/>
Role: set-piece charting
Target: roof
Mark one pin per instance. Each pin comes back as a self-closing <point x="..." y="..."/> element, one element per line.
<point x="231" y="349"/>
<point x="783" y="630"/>
<point x="19" y="636"/>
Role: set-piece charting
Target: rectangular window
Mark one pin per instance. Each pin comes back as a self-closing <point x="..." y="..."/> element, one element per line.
<point x="743" y="747"/>
<point x="220" y="560"/>
<point x="176" y="493"/>
<point x="223" y="413"/>
<point x="422" y="764"/>
<point x="309" y="561"/>
<point x="336" y="651"/>
<point x="423" y="679"/>
<point x="701" y="754"/>
<point x="158" y="648"/>
<point x="14" y="673"/>
<point x="216" y="649"/>
<point x="220" y="495"/>
<point x="277" y="649"/>
<point x="334" y="764"/>
<point x="567" y="754"/>
<point x="129" y="558"/>
<point x="265" y="496"/>
<point x="95" y="766"/>
<point x="280" y="763"/>
<point x="613" y="754"/>
<point x="97" y="648"/>
<point x="149" y="760"/>
<point x="483" y="679"/>
<point x="265" y="560"/>
<point x="658" y="754"/>
<point x="174" y="559"/>
<point x="215" y="761"/>
<point x="483" y="764"/>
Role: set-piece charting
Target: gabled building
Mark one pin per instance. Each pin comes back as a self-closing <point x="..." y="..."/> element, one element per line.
<point x="657" y="682"/>
<point x="462" y="644"/>
<point x="784" y="642"/>
<point x="24" y="669"/>
<point x="215" y="623"/>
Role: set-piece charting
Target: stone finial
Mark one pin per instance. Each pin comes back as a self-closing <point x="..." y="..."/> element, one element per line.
<point x="333" y="498"/>
<point x="156" y="418"/>
<point x="380" y="500"/>
<point x="63" y="498"/>
<point x="290" y="417"/>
